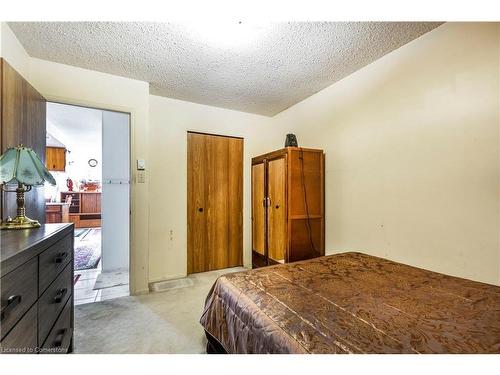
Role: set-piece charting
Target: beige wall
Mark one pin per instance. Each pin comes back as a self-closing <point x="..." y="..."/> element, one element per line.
<point x="412" y="153"/>
<point x="67" y="84"/>
<point x="169" y="122"/>
<point x="411" y="141"/>
<point x="12" y="51"/>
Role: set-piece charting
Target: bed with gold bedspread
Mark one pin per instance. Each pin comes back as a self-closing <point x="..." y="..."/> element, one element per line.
<point x="350" y="303"/>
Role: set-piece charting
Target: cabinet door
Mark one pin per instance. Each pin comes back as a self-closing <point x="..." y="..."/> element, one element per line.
<point x="55" y="159"/>
<point x="91" y="203"/>
<point x="277" y="210"/>
<point x="258" y="210"/>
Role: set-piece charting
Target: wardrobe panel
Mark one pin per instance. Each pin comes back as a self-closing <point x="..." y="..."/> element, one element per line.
<point x="306" y="180"/>
<point x="277" y="209"/>
<point x="23" y="121"/>
<point x="306" y="241"/>
<point x="258" y="210"/>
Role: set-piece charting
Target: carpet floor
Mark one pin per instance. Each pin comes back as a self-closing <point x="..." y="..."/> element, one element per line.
<point x="161" y="322"/>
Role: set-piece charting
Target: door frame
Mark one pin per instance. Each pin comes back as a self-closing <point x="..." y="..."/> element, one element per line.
<point x="131" y="195"/>
<point x="242" y="197"/>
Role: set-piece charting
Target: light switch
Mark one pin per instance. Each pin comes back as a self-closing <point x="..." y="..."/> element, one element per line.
<point x="141" y="164"/>
<point x="141" y="177"/>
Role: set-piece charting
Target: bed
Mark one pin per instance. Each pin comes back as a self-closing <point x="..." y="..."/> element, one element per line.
<point x="350" y="303"/>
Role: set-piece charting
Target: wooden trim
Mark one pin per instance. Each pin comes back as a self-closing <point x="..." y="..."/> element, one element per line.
<point x="302" y="217"/>
<point x="283" y="151"/>
<point x="288" y="204"/>
<point x="323" y="204"/>
<point x="214" y="135"/>
<point x="266" y="211"/>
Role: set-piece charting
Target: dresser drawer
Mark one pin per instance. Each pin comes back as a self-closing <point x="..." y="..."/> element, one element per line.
<point x="52" y="302"/>
<point x="53" y="260"/>
<point x="59" y="338"/>
<point x="18" y="293"/>
<point x="22" y="338"/>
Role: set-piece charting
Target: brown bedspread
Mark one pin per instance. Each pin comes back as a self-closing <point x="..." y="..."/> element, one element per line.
<point x="352" y="303"/>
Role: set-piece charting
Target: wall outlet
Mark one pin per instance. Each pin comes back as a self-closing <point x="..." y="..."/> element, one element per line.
<point x="171" y="235"/>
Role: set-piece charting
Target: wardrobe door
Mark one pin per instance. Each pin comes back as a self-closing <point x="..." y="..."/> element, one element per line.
<point x="277" y="210"/>
<point x="258" y="215"/>
<point x="215" y="202"/>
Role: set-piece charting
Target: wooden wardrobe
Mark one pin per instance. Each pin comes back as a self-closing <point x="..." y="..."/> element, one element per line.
<point x="288" y="206"/>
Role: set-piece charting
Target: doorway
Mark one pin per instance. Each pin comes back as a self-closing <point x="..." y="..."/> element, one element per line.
<point x="214" y="202"/>
<point x="88" y="153"/>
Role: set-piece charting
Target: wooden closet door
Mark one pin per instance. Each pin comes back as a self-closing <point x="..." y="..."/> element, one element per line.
<point x="215" y="202"/>
<point x="277" y="210"/>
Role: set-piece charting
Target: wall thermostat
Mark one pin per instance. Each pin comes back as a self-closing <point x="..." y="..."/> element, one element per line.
<point x="141" y="164"/>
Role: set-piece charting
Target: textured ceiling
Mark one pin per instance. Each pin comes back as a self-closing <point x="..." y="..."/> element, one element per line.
<point x="257" y="68"/>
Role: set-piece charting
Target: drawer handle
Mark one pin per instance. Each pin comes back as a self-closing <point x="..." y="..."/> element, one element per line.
<point x="60" y="295"/>
<point x="60" y="337"/>
<point x="12" y="302"/>
<point x="60" y="257"/>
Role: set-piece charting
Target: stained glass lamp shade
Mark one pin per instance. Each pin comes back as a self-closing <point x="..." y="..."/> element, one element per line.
<point x="21" y="166"/>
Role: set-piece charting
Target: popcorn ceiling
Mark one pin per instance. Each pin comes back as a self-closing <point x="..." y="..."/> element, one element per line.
<point x="283" y="65"/>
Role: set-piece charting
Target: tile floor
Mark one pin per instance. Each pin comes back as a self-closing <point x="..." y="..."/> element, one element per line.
<point x="85" y="292"/>
<point x="84" y="287"/>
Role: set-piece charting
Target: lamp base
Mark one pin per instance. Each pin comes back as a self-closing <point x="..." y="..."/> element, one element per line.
<point x="19" y="222"/>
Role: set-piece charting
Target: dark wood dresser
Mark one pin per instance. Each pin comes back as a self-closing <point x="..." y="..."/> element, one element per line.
<point x="36" y="289"/>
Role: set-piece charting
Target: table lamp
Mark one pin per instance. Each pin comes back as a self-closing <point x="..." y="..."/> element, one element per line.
<point x="21" y="165"/>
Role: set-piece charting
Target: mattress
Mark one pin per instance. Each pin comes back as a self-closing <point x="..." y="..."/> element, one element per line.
<point x="351" y="303"/>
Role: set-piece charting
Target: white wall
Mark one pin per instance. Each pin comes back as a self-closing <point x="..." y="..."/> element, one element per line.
<point x="169" y="122"/>
<point x="412" y="153"/>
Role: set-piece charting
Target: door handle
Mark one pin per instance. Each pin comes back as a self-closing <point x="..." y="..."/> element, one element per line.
<point x="200" y="209"/>
<point x="60" y="295"/>
<point x="267" y="202"/>
<point x="60" y="257"/>
<point x="12" y="302"/>
<point x="60" y="337"/>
